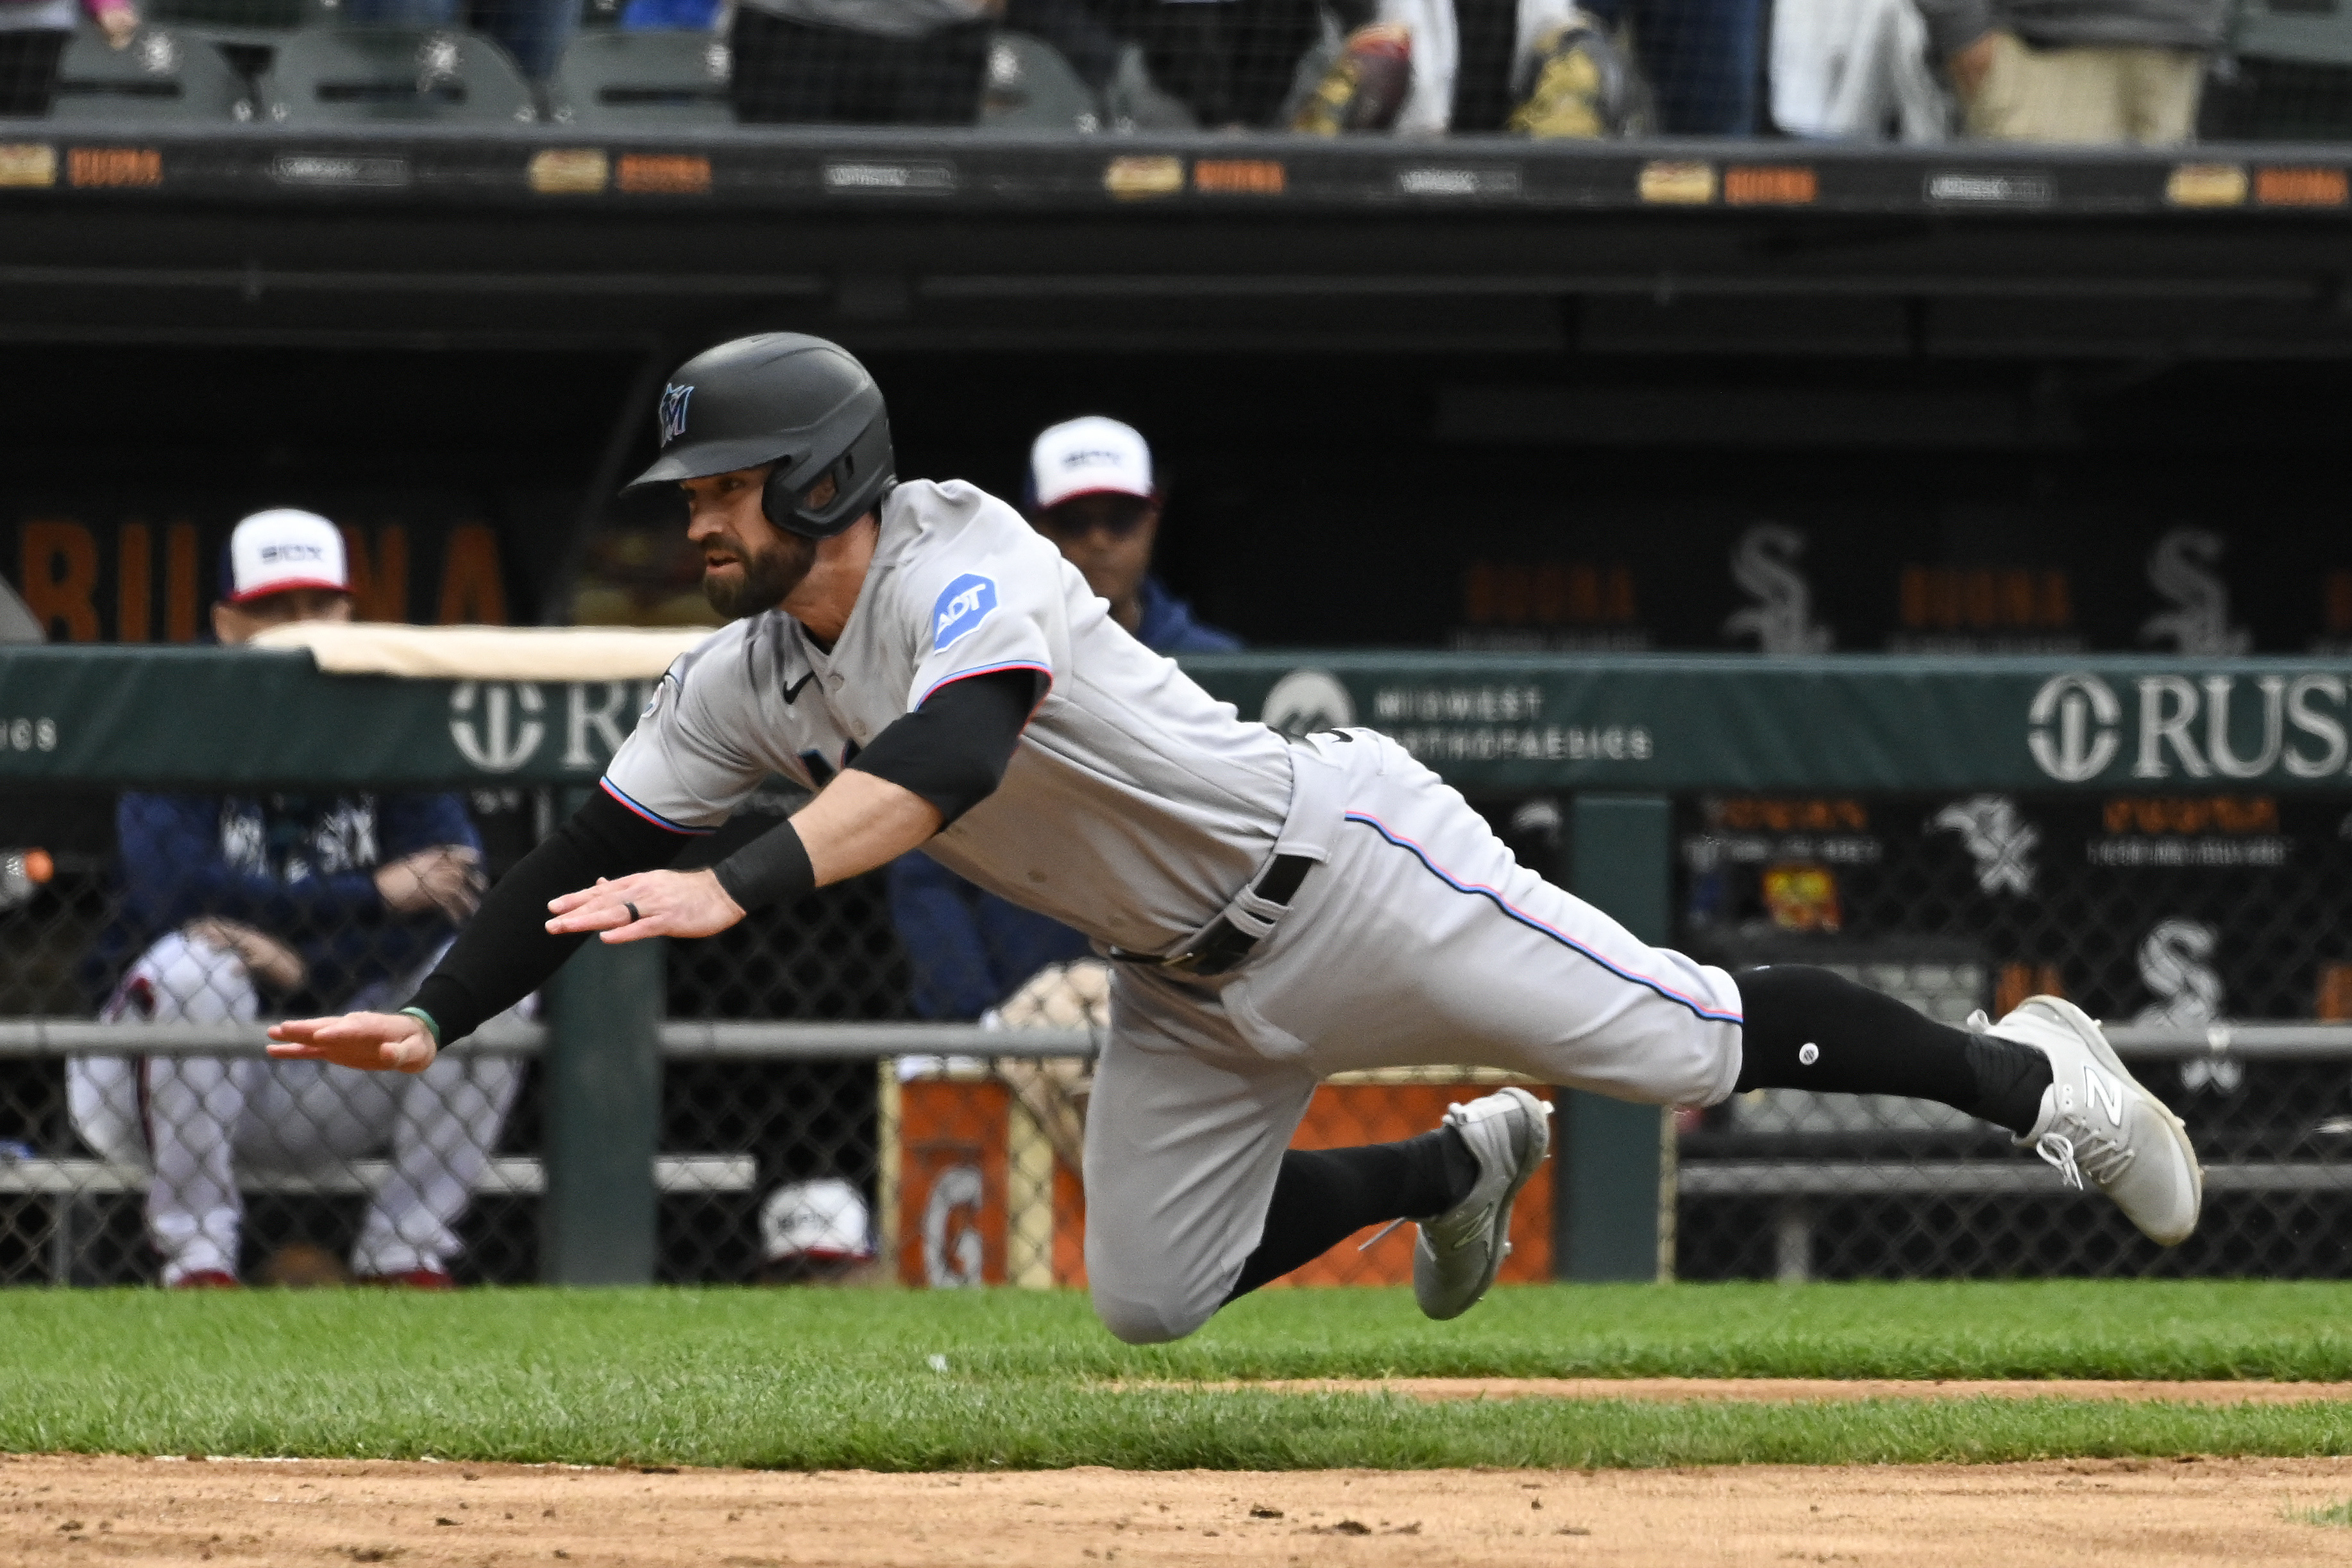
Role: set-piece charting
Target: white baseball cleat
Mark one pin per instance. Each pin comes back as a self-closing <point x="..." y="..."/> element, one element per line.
<point x="2097" y="1122"/>
<point x="1460" y="1250"/>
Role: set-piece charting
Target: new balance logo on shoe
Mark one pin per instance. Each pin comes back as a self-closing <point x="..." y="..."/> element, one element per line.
<point x="2098" y="1090"/>
<point x="2104" y="1092"/>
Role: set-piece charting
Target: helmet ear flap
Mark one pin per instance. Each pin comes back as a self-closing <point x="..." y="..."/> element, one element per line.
<point x="779" y="501"/>
<point x="842" y="491"/>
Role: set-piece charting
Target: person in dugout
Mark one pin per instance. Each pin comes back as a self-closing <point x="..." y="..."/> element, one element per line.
<point x="240" y="904"/>
<point x="1090" y="490"/>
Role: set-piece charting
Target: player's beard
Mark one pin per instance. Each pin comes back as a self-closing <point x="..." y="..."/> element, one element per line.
<point x="763" y="578"/>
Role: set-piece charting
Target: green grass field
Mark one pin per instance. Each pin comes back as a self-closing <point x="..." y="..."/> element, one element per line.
<point x="846" y="1378"/>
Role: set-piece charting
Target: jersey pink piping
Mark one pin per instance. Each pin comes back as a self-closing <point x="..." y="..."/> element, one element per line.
<point x="655" y="818"/>
<point x="994" y="670"/>
<point x="1711" y="1014"/>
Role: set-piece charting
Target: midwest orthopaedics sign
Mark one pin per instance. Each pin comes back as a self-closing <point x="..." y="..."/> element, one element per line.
<point x="229" y="718"/>
<point x="2213" y="725"/>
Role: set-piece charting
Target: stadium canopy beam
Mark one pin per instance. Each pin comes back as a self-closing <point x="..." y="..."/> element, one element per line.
<point x="429" y="237"/>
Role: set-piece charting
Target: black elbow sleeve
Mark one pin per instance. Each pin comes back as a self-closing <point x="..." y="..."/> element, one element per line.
<point x="953" y="750"/>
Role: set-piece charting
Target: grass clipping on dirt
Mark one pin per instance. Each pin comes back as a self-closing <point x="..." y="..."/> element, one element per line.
<point x="974" y="1380"/>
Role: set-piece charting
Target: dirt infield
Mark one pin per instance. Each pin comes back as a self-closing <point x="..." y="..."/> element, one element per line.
<point x="66" y="1511"/>
<point x="1801" y="1390"/>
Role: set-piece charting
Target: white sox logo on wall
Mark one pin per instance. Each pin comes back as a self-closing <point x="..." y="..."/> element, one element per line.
<point x="1764" y="565"/>
<point x="2176" y="964"/>
<point x="673" y="412"/>
<point x="2179" y="570"/>
<point x="1999" y="838"/>
<point x="2201" y="726"/>
<point x="499" y="745"/>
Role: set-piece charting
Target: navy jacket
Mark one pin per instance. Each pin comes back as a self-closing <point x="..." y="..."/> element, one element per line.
<point x="968" y="950"/>
<point x="300" y="868"/>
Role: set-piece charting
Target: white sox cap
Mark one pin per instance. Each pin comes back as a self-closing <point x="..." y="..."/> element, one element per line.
<point x="822" y="1220"/>
<point x="1089" y="456"/>
<point x="281" y="549"/>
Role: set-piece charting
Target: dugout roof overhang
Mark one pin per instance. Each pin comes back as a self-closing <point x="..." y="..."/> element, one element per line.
<point x="547" y="238"/>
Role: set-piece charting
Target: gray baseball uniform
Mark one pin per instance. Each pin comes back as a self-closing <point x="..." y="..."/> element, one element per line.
<point x="1143" y="812"/>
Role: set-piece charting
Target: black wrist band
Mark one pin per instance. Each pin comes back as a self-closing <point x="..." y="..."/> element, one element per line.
<point x="772" y="869"/>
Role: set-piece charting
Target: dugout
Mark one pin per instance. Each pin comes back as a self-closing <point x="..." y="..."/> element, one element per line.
<point x="1958" y="831"/>
<point x="1567" y="388"/>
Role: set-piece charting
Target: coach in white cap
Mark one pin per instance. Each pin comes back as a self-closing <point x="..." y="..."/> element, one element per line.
<point x="235" y="906"/>
<point x="1091" y="492"/>
<point x="282" y="565"/>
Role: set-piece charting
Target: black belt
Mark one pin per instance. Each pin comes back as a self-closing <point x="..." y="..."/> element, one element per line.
<point x="1225" y="944"/>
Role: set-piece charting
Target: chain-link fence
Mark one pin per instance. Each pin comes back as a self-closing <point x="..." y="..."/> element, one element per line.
<point x="2186" y="920"/>
<point x="809" y="1131"/>
<point x="1846" y="70"/>
<point x="813" y="1128"/>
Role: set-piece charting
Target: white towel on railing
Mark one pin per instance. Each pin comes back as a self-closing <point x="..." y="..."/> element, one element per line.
<point x="487" y="653"/>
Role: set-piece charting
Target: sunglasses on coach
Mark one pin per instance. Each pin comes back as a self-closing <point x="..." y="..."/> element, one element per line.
<point x="1119" y="517"/>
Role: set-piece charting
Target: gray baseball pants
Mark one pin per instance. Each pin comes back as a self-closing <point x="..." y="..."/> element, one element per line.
<point x="1417" y="941"/>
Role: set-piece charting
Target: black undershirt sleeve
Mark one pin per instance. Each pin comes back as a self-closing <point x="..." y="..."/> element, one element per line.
<point x="505" y="952"/>
<point x="953" y="750"/>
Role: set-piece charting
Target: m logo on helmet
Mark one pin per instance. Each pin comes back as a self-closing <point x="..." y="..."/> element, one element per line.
<point x="673" y="412"/>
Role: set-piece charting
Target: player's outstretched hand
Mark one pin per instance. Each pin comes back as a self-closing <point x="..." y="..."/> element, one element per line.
<point x="378" y="1042"/>
<point x="649" y="904"/>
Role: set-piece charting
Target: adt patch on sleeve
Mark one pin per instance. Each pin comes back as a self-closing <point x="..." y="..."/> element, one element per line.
<point x="962" y="605"/>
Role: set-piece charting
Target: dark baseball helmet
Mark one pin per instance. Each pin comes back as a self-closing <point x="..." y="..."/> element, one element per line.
<point x="785" y="398"/>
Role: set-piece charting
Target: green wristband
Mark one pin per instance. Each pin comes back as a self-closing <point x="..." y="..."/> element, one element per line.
<point x="421" y="1016"/>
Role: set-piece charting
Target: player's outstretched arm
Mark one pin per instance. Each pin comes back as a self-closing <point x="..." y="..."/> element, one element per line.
<point x="923" y="771"/>
<point x="380" y="1043"/>
<point x="503" y="954"/>
<point x="856" y="823"/>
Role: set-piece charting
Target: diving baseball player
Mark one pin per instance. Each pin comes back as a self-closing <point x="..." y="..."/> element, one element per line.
<point x="1277" y="911"/>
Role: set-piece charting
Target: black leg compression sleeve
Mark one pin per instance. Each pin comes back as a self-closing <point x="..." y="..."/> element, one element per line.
<point x="1809" y="1029"/>
<point x="505" y="953"/>
<point x="1325" y="1195"/>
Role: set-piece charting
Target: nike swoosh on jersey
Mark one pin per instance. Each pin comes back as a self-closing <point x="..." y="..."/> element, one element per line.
<point x="792" y="691"/>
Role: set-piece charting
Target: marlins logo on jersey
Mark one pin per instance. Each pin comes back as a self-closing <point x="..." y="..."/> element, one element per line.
<point x="962" y="605"/>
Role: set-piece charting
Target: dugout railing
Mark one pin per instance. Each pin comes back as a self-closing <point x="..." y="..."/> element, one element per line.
<point x="2162" y="839"/>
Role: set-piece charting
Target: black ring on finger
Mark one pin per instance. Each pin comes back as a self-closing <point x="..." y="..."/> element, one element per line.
<point x="634" y="915"/>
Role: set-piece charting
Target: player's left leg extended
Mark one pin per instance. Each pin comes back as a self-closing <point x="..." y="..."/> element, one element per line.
<point x="1421" y="941"/>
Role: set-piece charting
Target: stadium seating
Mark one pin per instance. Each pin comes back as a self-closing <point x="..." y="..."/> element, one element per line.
<point x="253" y="21"/>
<point x="2287" y="75"/>
<point x="341" y="76"/>
<point x="1031" y="87"/>
<point x="161" y="74"/>
<point x="622" y="81"/>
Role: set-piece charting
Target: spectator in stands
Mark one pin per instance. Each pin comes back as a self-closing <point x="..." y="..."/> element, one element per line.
<point x="861" y="62"/>
<point x="1231" y="62"/>
<point x="336" y="900"/>
<point x="2077" y="70"/>
<point x="1701" y="58"/>
<point x="671" y="16"/>
<point x="534" y="33"/>
<point x="1090" y="490"/>
<point x="32" y="35"/>
<point x="1856" y="70"/>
